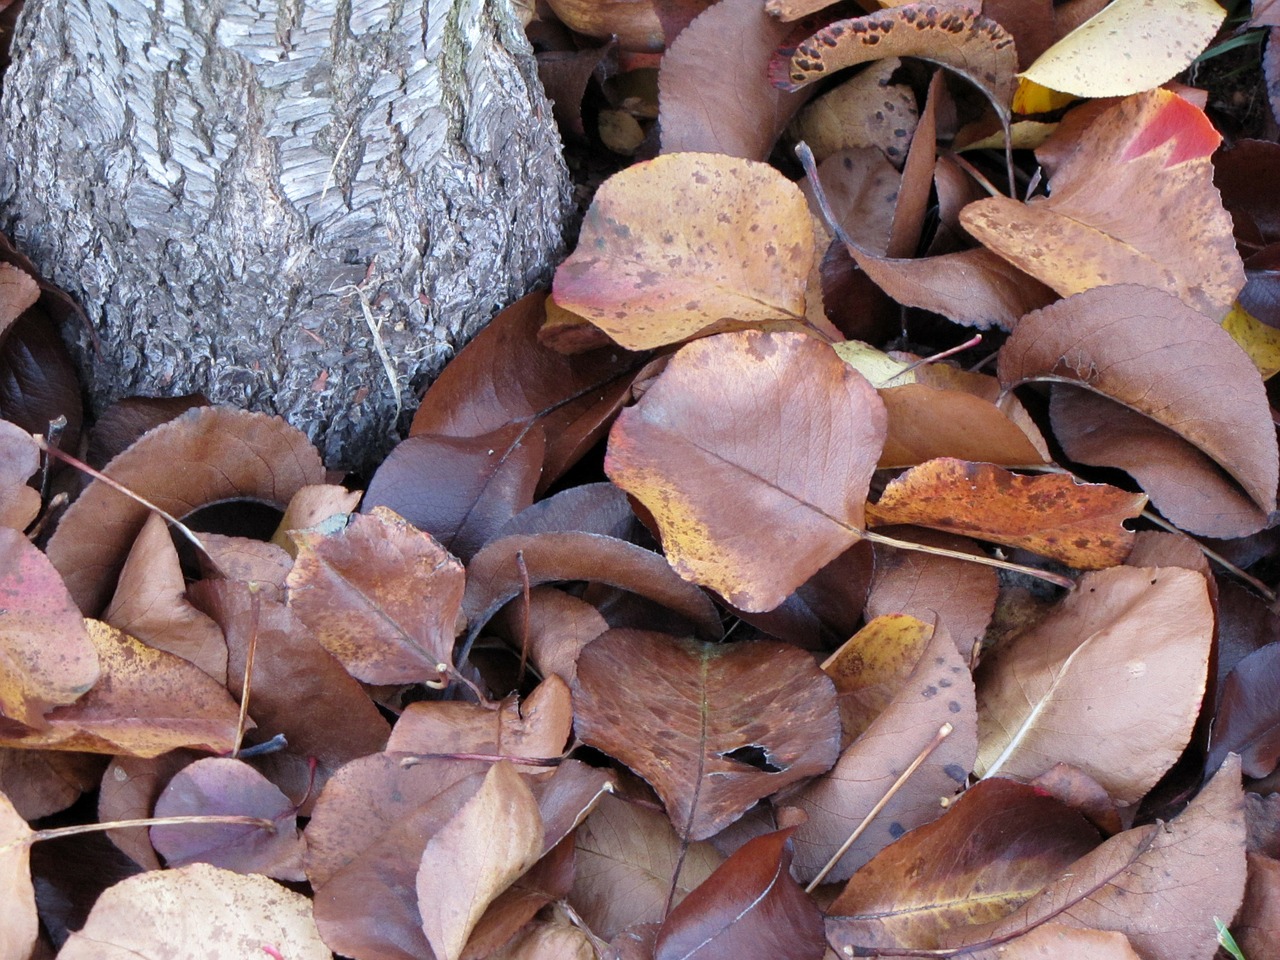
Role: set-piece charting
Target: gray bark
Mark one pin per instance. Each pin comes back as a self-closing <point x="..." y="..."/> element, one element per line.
<point x="239" y="191"/>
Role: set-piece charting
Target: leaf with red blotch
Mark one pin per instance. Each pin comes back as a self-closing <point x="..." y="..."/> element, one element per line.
<point x="506" y="376"/>
<point x="713" y="95"/>
<point x="1150" y="353"/>
<point x="461" y="490"/>
<point x="749" y="907"/>
<point x="713" y="727"/>
<point x="204" y="455"/>
<point x="1056" y="692"/>
<point x="46" y="657"/>
<point x="19" y="460"/>
<point x="145" y="703"/>
<point x="1248" y="718"/>
<point x="730" y="239"/>
<point x="995" y="848"/>
<point x="960" y="39"/>
<point x="381" y="596"/>
<point x="937" y="691"/>
<point x="19" y="922"/>
<point x="1159" y="884"/>
<point x="150" y="603"/>
<point x="1132" y="201"/>
<point x="221" y="786"/>
<point x="800" y="473"/>
<point x="1080" y="524"/>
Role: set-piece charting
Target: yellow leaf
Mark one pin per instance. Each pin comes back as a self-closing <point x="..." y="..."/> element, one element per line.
<point x="1260" y="341"/>
<point x="1031" y="97"/>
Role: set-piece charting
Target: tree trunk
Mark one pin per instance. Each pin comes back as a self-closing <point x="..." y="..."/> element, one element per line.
<point x="302" y="206"/>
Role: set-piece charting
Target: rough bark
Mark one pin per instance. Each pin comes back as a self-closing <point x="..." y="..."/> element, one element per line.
<point x="302" y="206"/>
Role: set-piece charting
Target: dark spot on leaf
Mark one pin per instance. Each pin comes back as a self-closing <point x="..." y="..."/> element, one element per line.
<point x="896" y="829"/>
<point x="956" y="772"/>
<point x="930" y="691"/>
<point x="953" y="707"/>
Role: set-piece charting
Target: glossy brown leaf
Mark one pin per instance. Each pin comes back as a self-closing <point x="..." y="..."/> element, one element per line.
<point x="1248" y="719"/>
<point x="1111" y="682"/>
<point x="493" y="838"/>
<point x="38" y="381"/>
<point x="995" y="848"/>
<point x="46" y="657"/>
<point x="1146" y="351"/>
<point x="381" y="596"/>
<point x="203" y="456"/>
<point x="1080" y="524"/>
<point x="1132" y="201"/>
<point x="145" y="703"/>
<point x="627" y="857"/>
<point x="937" y="691"/>
<point x="801" y="472"/>
<point x="223" y="915"/>
<point x="712" y="727"/>
<point x="150" y="603"/>
<point x="750" y="906"/>
<point x="221" y="785"/>
<point x="714" y="95"/>
<point x="19" y="923"/>
<point x="19" y="460"/>
<point x="978" y="49"/>
<point x="1160" y="884"/>
<point x="730" y="239"/>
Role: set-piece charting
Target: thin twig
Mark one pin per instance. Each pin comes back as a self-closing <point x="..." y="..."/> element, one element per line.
<point x="1267" y="593"/>
<point x="1045" y="575"/>
<point x="246" y="686"/>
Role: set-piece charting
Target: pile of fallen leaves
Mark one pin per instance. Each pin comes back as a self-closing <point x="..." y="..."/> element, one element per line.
<point x="848" y="647"/>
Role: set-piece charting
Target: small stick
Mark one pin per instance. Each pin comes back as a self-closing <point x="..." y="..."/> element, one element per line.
<point x="57" y="833"/>
<point x="1054" y="578"/>
<point x="1266" y="592"/>
<point x="255" y="609"/>
<point x="935" y="357"/>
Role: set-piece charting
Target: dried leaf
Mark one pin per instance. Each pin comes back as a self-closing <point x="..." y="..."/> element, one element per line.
<point x="730" y="239"/>
<point x="801" y="473"/>
<point x="1248" y="717"/>
<point x="1257" y="927"/>
<point x="223" y="915"/>
<point x="825" y="609"/>
<point x="380" y="596"/>
<point x="203" y="456"/>
<point x="1132" y="202"/>
<point x="1110" y="682"/>
<point x="19" y="460"/>
<point x="38" y="381"/>
<point x="1053" y="940"/>
<point x="19" y="924"/>
<point x="865" y="111"/>
<point x="39" y="782"/>
<point x="129" y="790"/>
<point x="638" y="25"/>
<point x="712" y="727"/>
<point x="1080" y="524"/>
<point x="871" y="666"/>
<point x="552" y="631"/>
<point x="494" y="838"/>
<point x="750" y="906"/>
<point x="126" y="420"/>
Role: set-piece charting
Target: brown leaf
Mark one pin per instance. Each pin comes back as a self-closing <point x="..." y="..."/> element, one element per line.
<point x="125" y="421"/>
<point x="638" y="25"/>
<point x="19" y="460"/>
<point x="494" y="838"/>
<point x="312" y="505"/>
<point x="145" y="703"/>
<point x="221" y="785"/>
<point x="550" y="941"/>
<point x="552" y="632"/>
<point x="936" y="692"/>
<point x="381" y="596"/>
<point x="1248" y="718"/>
<point x="129" y="790"/>
<point x="1160" y="884"/>
<point x="46" y="658"/>
<point x="38" y="381"/>
<point x="800" y="474"/>
<point x="978" y="49"/>
<point x="713" y="93"/>
<point x="203" y="456"/>
<point x="749" y="907"/>
<point x="1110" y="682"/>
<point x="263" y="564"/>
<point x="220" y="914"/>
<point x="39" y="782"/>
<point x="1051" y="941"/>
<point x="18" y="291"/>
<point x="712" y="727"/>
<point x="1145" y="350"/>
<point x="1131" y="202"/>
<point x="1257" y="928"/>
<point x="825" y="609"/>
<point x="150" y="604"/>
<point x="995" y="848"/>
<point x="627" y="859"/>
<point x="19" y="924"/>
<point x="1080" y="524"/>
<point x="871" y="666"/>
<point x="730" y="239"/>
<point x="867" y="116"/>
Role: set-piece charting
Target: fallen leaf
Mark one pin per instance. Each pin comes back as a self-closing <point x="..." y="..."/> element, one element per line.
<point x="638" y="25"/>
<point x="221" y="786"/>
<point x="1080" y="524"/>
<point x="19" y="923"/>
<point x="1259" y="340"/>
<point x="128" y="791"/>
<point x="1053" y="940"/>
<point x="867" y="111"/>
<point x="18" y="291"/>
<point x="599" y="508"/>
<point x="1248" y="717"/>
<point x="1130" y="46"/>
<point x="551" y="631"/>
<point x="1239" y="173"/>
<point x="550" y="941"/>
<point x="312" y="505"/>
<point x="19" y="460"/>
<point x="1110" y="682"/>
<point x="38" y="382"/>
<point x="494" y="838"/>
<point x="871" y="666"/>
<point x="202" y="456"/>
<point x="712" y="727"/>
<point x="1257" y="926"/>
<point x="46" y="657"/>
<point x="1132" y="202"/>
<point x="124" y="422"/>
<point x="381" y="596"/>
<point x="1143" y="349"/>
<point x="220" y="914"/>
<point x="994" y="849"/>
<point x="509" y="916"/>
<point x="861" y="189"/>
<point x="42" y="782"/>
<point x="750" y="906"/>
<point x="730" y="239"/>
<point x="937" y="691"/>
<point x="684" y="443"/>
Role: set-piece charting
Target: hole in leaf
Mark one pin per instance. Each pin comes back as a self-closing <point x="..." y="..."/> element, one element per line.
<point x="753" y="756"/>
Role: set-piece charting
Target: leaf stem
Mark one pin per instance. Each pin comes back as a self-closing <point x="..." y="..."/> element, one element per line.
<point x="1055" y="578"/>
<point x="57" y="833"/>
<point x="1266" y="592"/>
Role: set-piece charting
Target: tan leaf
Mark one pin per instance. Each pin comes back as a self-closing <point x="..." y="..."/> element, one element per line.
<point x="871" y="666"/>
<point x="19" y="459"/>
<point x="19" y="924"/>
<point x="492" y="840"/>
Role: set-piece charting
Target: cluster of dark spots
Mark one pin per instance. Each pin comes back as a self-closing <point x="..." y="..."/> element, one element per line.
<point x="929" y="692"/>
